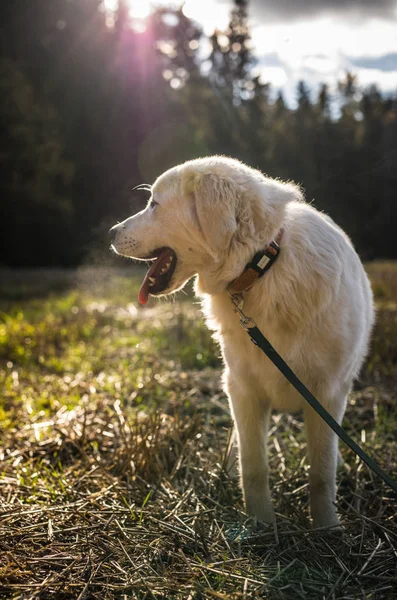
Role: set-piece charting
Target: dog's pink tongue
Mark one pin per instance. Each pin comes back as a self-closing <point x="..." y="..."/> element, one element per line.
<point x="144" y="292"/>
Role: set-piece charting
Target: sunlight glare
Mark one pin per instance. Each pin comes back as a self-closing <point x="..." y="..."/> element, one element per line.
<point x="140" y="9"/>
<point x="111" y="5"/>
<point x="210" y="14"/>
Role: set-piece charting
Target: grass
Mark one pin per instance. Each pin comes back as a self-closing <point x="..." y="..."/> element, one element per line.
<point x="114" y="428"/>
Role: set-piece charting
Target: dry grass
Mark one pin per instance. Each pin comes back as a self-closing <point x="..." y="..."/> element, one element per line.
<point x="114" y="431"/>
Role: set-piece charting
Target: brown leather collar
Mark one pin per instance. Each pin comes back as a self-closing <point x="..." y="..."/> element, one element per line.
<point x="261" y="263"/>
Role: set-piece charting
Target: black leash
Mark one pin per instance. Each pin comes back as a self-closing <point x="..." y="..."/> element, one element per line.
<point x="259" y="340"/>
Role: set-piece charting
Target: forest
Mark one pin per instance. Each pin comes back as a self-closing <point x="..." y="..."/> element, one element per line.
<point x="93" y="104"/>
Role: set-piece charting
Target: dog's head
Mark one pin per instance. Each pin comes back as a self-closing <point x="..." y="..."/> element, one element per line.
<point x="208" y="217"/>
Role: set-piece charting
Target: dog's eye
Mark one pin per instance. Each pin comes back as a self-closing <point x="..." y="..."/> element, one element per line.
<point x="153" y="204"/>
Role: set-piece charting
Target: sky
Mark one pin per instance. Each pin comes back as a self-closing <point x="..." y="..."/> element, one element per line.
<point x="314" y="40"/>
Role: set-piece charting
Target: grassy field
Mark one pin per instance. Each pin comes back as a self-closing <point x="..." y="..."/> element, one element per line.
<point x="114" y="428"/>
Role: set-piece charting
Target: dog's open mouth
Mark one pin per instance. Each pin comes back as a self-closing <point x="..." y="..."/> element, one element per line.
<point x="159" y="275"/>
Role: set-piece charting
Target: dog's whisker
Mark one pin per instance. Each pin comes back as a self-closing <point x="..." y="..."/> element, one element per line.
<point x="143" y="186"/>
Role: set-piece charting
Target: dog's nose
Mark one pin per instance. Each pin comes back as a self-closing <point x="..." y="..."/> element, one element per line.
<point x="113" y="233"/>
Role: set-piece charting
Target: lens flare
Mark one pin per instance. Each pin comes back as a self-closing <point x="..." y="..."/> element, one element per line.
<point x="139" y="9"/>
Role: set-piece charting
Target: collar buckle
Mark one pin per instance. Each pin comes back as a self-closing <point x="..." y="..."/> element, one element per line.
<point x="261" y="263"/>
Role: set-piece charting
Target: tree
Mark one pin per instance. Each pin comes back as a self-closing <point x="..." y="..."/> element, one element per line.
<point x="35" y="177"/>
<point x="324" y="101"/>
<point x="177" y="41"/>
<point x="232" y="58"/>
<point x="303" y="98"/>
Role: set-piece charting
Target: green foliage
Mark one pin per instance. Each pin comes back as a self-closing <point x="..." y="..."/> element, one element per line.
<point x="91" y="105"/>
<point x="58" y="347"/>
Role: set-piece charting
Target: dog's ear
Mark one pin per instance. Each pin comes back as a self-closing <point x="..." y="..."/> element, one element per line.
<point x="215" y="207"/>
<point x="267" y="201"/>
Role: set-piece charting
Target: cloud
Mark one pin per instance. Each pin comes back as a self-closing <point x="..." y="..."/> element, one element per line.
<point x="318" y="41"/>
<point x="271" y="59"/>
<point x="295" y="10"/>
<point x="384" y="80"/>
<point x="326" y="36"/>
<point x="387" y="62"/>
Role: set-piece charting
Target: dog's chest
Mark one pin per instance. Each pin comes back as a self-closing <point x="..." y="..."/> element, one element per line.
<point x="247" y="367"/>
<point x="256" y="373"/>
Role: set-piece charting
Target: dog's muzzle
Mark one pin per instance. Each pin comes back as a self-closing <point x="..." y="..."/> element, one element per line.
<point x="113" y="233"/>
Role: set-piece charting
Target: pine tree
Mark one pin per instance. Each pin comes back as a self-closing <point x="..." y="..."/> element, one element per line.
<point x="303" y="97"/>
<point x="178" y="41"/>
<point x="232" y="57"/>
<point x="324" y="101"/>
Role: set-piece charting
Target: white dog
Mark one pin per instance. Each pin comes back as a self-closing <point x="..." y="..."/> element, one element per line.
<point x="209" y="217"/>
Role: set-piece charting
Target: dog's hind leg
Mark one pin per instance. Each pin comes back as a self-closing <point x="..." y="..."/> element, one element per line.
<point x="322" y="445"/>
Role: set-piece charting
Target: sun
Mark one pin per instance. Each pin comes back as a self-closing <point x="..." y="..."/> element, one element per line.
<point x="210" y="14"/>
<point x="138" y="9"/>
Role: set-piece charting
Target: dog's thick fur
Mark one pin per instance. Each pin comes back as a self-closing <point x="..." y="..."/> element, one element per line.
<point x="315" y="305"/>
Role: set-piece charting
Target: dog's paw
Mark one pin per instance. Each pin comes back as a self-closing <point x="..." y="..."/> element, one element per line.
<point x="330" y="525"/>
<point x="260" y="509"/>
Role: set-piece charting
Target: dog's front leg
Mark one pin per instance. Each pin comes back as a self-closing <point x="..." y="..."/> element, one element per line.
<point x="251" y="416"/>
